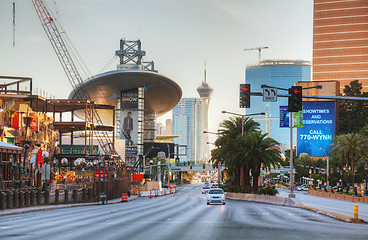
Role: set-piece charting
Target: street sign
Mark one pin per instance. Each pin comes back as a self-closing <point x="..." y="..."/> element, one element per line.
<point x="269" y="94"/>
<point x="175" y="169"/>
<point x="284" y="171"/>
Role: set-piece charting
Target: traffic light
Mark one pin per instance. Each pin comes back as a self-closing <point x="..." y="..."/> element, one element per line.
<point x="204" y="166"/>
<point x="245" y="95"/>
<point x="296" y="99"/>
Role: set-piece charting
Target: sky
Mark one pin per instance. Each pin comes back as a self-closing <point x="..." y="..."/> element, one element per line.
<point x="179" y="36"/>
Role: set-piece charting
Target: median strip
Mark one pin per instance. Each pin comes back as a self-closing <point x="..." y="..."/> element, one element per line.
<point x="334" y="215"/>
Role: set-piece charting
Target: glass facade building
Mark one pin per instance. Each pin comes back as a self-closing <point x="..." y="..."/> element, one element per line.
<point x="275" y="73"/>
<point x="340" y="41"/>
<point x="187" y="125"/>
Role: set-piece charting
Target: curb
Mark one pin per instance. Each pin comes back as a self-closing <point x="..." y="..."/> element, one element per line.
<point x="45" y="207"/>
<point x="334" y="215"/>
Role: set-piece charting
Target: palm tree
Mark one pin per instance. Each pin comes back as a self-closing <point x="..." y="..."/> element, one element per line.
<point x="223" y="153"/>
<point x="258" y="149"/>
<point x="351" y="146"/>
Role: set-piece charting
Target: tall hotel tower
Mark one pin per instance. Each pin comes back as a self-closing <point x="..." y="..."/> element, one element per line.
<point x="340" y="41"/>
<point x="205" y="92"/>
<point x="190" y="119"/>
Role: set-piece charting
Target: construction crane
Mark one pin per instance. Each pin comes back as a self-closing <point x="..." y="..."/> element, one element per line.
<point x="71" y="70"/>
<point x="259" y="51"/>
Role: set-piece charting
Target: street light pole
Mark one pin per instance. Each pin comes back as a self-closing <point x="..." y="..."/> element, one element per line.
<point x="366" y="168"/>
<point x="243" y="117"/>
<point x="328" y="167"/>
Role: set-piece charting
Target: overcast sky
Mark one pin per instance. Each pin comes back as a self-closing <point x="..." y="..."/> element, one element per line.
<point x="177" y="35"/>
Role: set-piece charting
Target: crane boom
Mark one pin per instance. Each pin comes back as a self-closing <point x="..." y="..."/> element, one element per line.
<point x="259" y="51"/>
<point x="70" y="69"/>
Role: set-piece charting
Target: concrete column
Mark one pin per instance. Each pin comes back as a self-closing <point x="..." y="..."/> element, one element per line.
<point x="21" y="198"/>
<point x="27" y="198"/>
<point x="2" y="200"/>
<point x="57" y="194"/>
<point x="33" y="197"/>
<point x="47" y="196"/>
<point x="9" y="202"/>
<point x="75" y="195"/>
<point x="39" y="194"/>
<point x="84" y="194"/>
<point x="66" y="197"/>
<point x="16" y="198"/>
<point x="90" y="194"/>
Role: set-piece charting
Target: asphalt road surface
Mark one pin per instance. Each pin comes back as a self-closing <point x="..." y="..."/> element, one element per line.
<point x="184" y="215"/>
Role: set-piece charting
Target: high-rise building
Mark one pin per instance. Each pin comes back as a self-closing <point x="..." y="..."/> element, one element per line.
<point x="340" y="41"/>
<point x="168" y="127"/>
<point x="275" y="73"/>
<point x="204" y="92"/>
<point x="187" y="125"/>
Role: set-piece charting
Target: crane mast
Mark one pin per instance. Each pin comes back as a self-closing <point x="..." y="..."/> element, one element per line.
<point x="70" y="69"/>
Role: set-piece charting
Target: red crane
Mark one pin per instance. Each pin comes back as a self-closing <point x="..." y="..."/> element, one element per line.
<point x="70" y="69"/>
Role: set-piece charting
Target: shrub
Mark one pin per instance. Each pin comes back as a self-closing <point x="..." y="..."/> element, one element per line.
<point x="268" y="191"/>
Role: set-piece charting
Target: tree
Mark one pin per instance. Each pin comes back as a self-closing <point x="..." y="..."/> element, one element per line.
<point x="223" y="152"/>
<point x="353" y="115"/>
<point x="255" y="149"/>
<point x="350" y="147"/>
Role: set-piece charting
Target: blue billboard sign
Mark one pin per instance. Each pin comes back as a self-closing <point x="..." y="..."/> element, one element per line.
<point x="318" y="130"/>
<point x="285" y="117"/>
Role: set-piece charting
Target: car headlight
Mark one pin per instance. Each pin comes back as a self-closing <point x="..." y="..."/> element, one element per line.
<point x="208" y="196"/>
<point x="223" y="196"/>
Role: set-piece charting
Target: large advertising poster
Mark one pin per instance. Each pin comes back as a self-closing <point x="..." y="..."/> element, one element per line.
<point x="129" y="127"/>
<point x="318" y="131"/>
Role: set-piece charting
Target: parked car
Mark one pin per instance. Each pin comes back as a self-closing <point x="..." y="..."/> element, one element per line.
<point x="216" y="195"/>
<point x="305" y="188"/>
<point x="300" y="188"/>
<point x="205" y="189"/>
<point x="214" y="185"/>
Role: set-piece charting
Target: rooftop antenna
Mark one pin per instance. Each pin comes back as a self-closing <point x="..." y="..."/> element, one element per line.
<point x="205" y="71"/>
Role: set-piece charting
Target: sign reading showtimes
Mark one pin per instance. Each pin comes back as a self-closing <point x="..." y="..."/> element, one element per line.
<point x="318" y="130"/>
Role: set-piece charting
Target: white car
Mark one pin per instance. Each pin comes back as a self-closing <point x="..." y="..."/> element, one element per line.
<point x="205" y="189"/>
<point x="215" y="195"/>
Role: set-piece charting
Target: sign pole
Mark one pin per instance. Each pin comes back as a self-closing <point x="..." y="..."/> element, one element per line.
<point x="291" y="195"/>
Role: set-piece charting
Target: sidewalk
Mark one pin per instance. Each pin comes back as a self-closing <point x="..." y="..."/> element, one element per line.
<point x="49" y="207"/>
<point x="340" y="209"/>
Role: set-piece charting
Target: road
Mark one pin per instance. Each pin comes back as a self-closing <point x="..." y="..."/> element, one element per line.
<point x="184" y="215"/>
<point x="328" y="204"/>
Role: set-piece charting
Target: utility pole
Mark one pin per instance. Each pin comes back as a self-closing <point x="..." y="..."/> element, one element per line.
<point x="259" y="51"/>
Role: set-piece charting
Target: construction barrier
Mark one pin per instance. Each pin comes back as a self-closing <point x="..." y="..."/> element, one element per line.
<point x="124" y="197"/>
<point x="156" y="193"/>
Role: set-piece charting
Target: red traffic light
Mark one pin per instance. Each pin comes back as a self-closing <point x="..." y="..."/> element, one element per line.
<point x="297" y="91"/>
<point x="245" y="89"/>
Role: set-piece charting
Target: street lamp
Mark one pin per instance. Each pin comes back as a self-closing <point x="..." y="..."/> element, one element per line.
<point x="151" y="162"/>
<point x="366" y="168"/>
<point x="243" y="116"/>
<point x="144" y="156"/>
<point x="347" y="168"/>
<point x="328" y="166"/>
<point x="218" y="167"/>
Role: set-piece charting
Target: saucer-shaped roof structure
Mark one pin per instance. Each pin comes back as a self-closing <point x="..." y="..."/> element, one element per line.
<point x="161" y="93"/>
